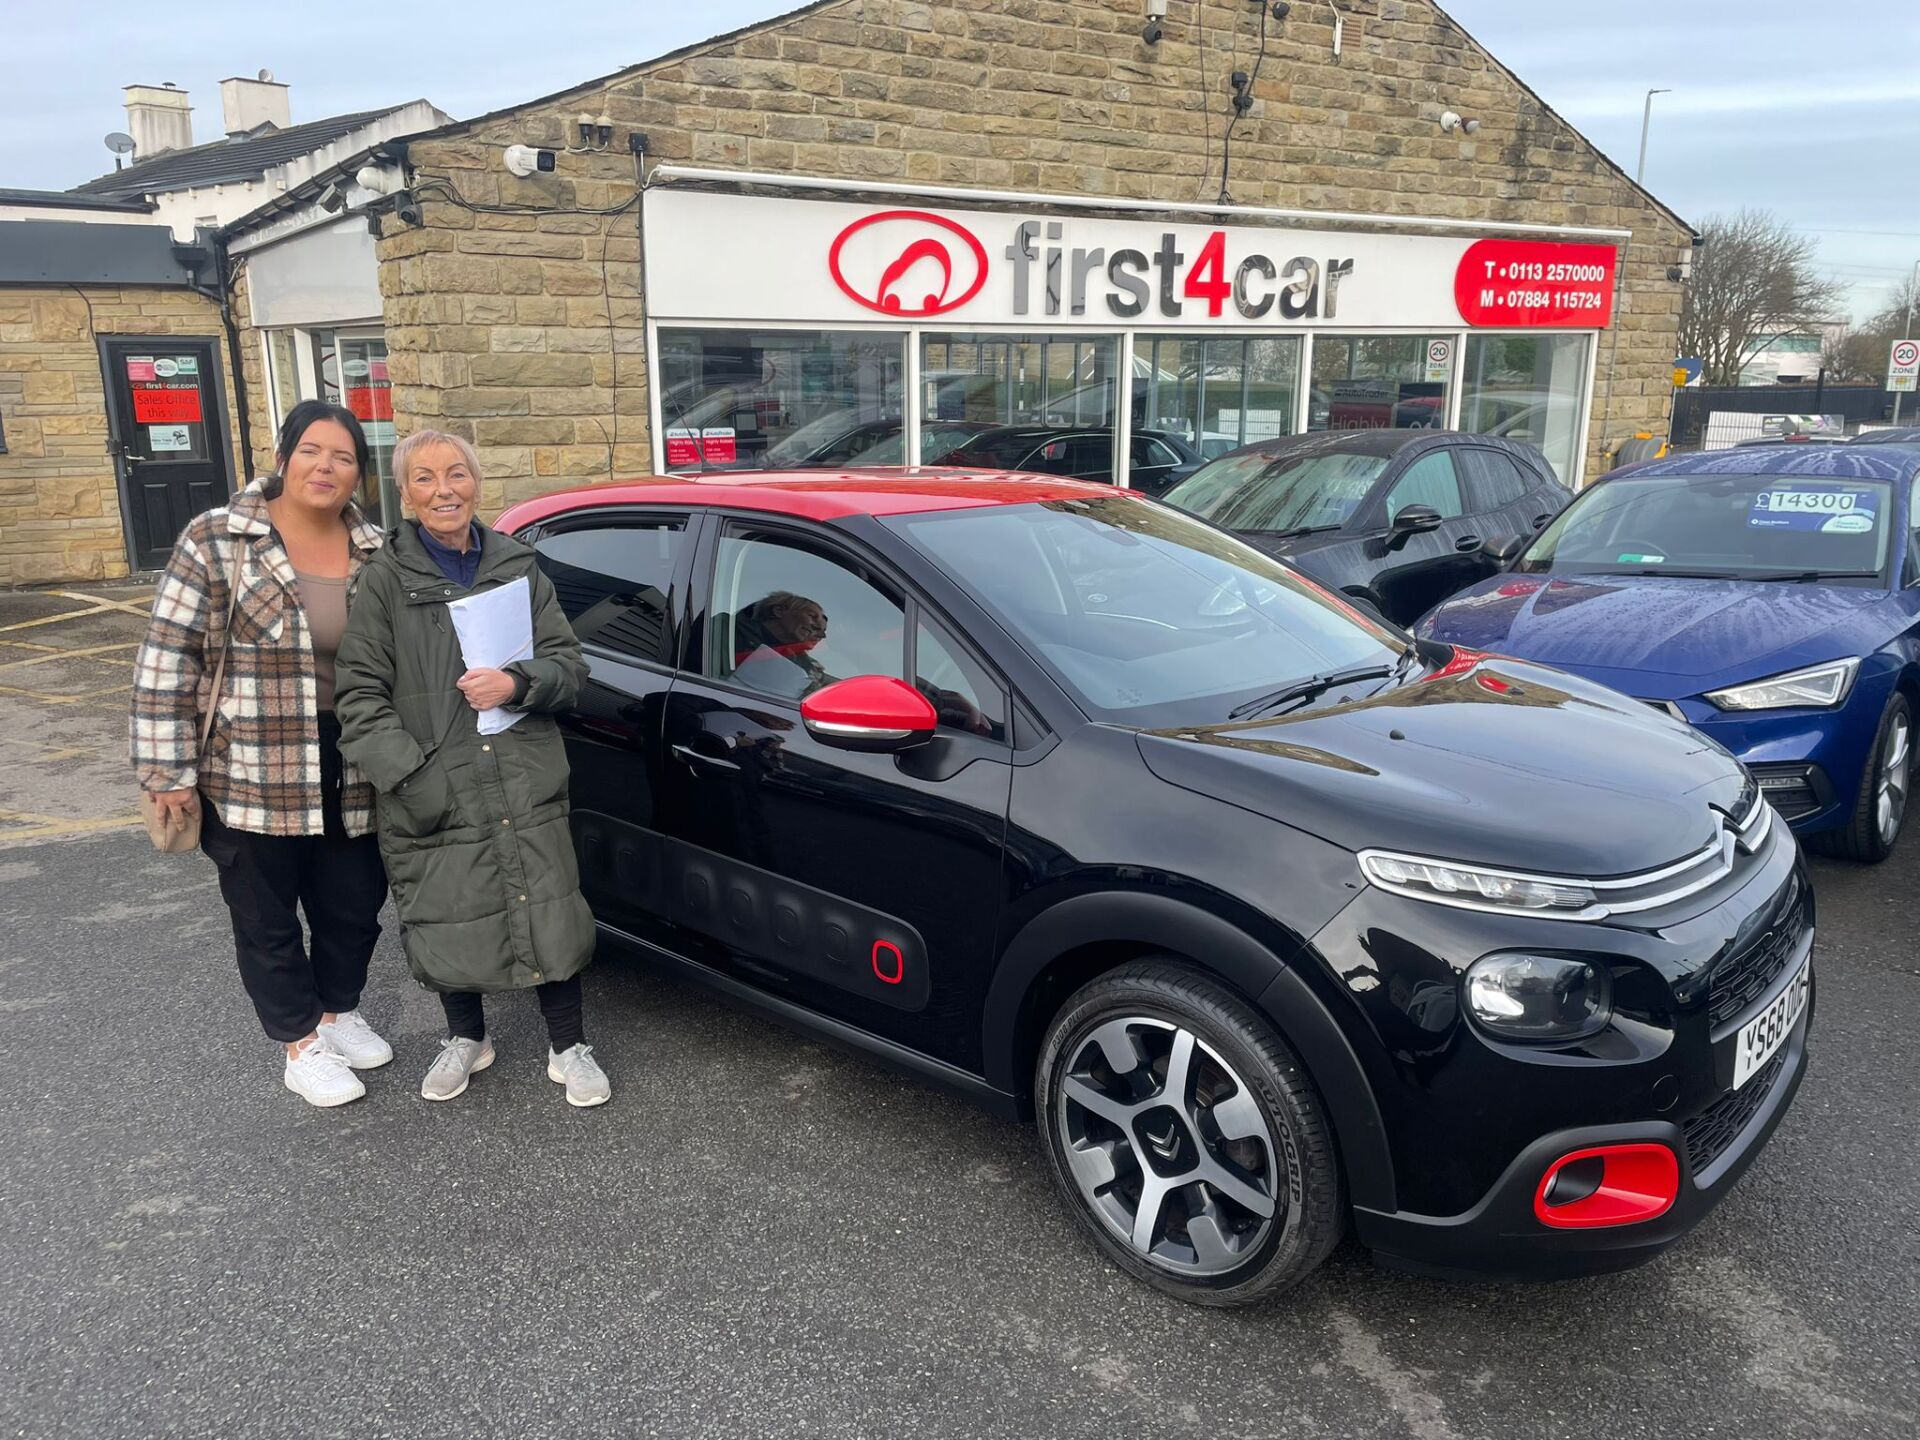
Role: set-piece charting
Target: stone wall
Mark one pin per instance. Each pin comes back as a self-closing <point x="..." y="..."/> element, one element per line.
<point x="500" y="327"/>
<point x="59" y="499"/>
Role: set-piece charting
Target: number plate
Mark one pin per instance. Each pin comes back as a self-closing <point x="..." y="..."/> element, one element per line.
<point x="1761" y="1036"/>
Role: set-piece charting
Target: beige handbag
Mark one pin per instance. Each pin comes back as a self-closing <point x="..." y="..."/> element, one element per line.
<point x="178" y="832"/>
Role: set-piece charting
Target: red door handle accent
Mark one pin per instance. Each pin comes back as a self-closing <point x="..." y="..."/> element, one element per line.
<point x="899" y="962"/>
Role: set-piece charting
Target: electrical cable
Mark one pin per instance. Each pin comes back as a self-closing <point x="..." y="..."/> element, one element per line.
<point x="1226" y="142"/>
<point x="443" y="185"/>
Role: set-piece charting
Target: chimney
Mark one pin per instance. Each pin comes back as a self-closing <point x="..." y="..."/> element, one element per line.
<point x="159" y="119"/>
<point x="246" y="105"/>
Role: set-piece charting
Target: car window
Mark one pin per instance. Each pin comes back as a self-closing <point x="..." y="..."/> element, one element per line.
<point x="1148" y="451"/>
<point x="1912" y="576"/>
<point x="1494" y="479"/>
<point x="1090" y="457"/>
<point x="614" y="579"/>
<point x="963" y="695"/>
<point x="1430" y="480"/>
<point x="787" y="617"/>
<point x="1254" y="491"/>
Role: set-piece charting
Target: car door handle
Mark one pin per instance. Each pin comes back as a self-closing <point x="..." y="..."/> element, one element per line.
<point x="1540" y="521"/>
<point x="699" y="758"/>
<point x="1467" y="542"/>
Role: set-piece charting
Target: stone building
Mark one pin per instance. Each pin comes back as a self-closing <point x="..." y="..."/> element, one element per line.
<point x="518" y="309"/>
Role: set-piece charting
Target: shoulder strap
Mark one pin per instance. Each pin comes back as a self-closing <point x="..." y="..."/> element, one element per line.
<point x="226" y="643"/>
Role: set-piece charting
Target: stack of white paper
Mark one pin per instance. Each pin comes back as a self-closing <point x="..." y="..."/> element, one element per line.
<point x="495" y="629"/>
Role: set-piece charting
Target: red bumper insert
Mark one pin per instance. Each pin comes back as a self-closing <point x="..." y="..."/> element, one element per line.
<point x="1608" y="1185"/>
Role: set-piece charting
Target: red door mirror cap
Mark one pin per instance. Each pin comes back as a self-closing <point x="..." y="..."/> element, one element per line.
<point x="878" y="708"/>
<point x="1640" y="1182"/>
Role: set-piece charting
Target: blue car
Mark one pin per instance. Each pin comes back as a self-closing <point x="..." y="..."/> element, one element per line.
<point x="1768" y="597"/>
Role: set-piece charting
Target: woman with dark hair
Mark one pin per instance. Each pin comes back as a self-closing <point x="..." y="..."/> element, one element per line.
<point x="262" y="581"/>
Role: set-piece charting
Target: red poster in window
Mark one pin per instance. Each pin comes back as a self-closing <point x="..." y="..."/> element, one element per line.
<point x="154" y="406"/>
<point x="1531" y="283"/>
<point x="718" y="445"/>
<point x="682" y="449"/>
<point x="370" y="402"/>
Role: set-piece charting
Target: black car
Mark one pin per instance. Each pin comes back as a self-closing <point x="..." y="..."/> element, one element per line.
<point x="1398" y="518"/>
<point x="1274" y="920"/>
<point x="1159" y="459"/>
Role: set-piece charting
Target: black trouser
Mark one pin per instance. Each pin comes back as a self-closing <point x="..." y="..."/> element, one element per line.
<point x="559" y="1007"/>
<point x="268" y="880"/>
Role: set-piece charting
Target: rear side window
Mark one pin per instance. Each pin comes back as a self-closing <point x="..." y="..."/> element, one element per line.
<point x="614" y="581"/>
<point x="1496" y="479"/>
<point x="1430" y="480"/>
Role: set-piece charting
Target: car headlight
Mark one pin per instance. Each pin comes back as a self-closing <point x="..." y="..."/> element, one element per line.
<point x="1539" y="997"/>
<point x="1819" y="687"/>
<point x="1472" y="888"/>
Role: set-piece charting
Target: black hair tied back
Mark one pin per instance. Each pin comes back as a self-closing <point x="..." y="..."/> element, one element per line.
<point x="302" y="418"/>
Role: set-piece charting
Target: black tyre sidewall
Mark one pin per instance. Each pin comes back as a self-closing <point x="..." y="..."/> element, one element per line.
<point x="1301" y="1136"/>
<point x="1859" y="838"/>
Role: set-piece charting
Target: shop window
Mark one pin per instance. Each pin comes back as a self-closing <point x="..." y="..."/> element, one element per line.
<point x="1215" y="394"/>
<point x="1431" y="480"/>
<point x="1380" y="382"/>
<point x="749" y="399"/>
<point x="1527" y="388"/>
<point x="283" y="368"/>
<point x="1022" y="401"/>
<point x="787" y="618"/>
<point x="613" y="582"/>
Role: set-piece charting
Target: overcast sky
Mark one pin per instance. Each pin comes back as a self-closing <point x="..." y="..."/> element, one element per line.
<point x="1807" y="110"/>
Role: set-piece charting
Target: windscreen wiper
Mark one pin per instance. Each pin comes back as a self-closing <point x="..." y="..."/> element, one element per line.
<point x="1298" y="530"/>
<point x="1807" y="577"/>
<point x="1315" y="685"/>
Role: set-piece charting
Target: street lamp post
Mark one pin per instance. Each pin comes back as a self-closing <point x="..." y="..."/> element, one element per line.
<point x="1646" y="121"/>
<point x="1912" y="286"/>
<point x="1613" y="341"/>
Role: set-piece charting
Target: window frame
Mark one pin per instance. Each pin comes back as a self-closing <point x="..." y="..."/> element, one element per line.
<point x="609" y="517"/>
<point x="847" y="550"/>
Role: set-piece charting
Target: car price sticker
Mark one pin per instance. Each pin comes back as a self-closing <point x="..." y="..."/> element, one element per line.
<point x="1833" y="511"/>
<point x="1763" y="1035"/>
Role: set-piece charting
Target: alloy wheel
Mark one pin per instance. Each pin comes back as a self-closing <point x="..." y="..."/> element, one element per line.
<point x="1168" y="1146"/>
<point x="1890" y="800"/>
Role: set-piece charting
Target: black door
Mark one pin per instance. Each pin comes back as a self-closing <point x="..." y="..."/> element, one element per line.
<point x="864" y="887"/>
<point x="622" y="580"/>
<point x="1429" y="567"/>
<point x="166" y="411"/>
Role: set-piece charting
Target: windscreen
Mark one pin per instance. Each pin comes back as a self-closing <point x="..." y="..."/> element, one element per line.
<point x="1148" y="616"/>
<point x="1257" y="492"/>
<point x="1743" y="527"/>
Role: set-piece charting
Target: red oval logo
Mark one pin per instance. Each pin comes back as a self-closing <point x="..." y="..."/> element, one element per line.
<point x="908" y="263"/>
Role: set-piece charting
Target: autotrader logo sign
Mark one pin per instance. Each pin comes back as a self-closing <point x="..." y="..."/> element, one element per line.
<point x="908" y="263"/>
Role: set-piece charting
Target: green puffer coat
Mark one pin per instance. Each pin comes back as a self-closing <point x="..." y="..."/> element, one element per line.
<point x="473" y="827"/>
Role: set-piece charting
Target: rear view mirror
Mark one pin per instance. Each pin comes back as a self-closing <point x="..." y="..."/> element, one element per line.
<point x="1503" y="550"/>
<point x="1412" y="520"/>
<point x="871" y="713"/>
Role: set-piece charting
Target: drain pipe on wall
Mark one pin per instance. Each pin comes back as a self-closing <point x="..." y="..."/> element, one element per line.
<point x="222" y="295"/>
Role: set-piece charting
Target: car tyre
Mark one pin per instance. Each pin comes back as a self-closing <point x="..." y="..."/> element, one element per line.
<point x="1880" y="806"/>
<point x="1159" y="1091"/>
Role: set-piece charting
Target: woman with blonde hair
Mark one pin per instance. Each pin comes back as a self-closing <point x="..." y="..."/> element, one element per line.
<point x="473" y="822"/>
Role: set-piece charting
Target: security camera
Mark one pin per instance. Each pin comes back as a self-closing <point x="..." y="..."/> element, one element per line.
<point x="1153" y="31"/>
<point x="523" y="160"/>
<point x="1281" y="9"/>
<point x="332" y="200"/>
<point x="1471" y="127"/>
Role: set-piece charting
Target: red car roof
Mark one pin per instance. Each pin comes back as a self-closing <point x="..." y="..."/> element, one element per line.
<point x="815" y="494"/>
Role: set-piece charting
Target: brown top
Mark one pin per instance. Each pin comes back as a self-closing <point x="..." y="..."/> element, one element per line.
<point x="325" y="602"/>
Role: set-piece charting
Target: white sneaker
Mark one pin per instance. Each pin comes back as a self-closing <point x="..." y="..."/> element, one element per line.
<point x="353" y="1040"/>
<point x="321" y="1077"/>
<point x="459" y="1058"/>
<point x="586" y="1082"/>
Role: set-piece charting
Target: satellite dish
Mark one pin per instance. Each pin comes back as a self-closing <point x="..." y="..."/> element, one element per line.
<point x="266" y="77"/>
<point x="120" y="143"/>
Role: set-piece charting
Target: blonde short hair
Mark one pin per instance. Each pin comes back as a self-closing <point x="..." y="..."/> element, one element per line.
<point x="407" y="449"/>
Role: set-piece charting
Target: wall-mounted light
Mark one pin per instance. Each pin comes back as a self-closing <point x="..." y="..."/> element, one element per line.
<point x="1154" y="29"/>
<point x="603" y="129"/>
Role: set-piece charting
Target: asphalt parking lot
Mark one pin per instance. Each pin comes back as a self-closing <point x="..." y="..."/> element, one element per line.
<point x="761" y="1237"/>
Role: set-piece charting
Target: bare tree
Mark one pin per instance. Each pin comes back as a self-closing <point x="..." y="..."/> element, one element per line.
<point x="1860" y="352"/>
<point x="1753" y="279"/>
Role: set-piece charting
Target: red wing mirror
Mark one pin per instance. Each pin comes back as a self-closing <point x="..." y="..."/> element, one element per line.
<point x="869" y="712"/>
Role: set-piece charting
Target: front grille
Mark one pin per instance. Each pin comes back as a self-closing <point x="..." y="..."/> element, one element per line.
<point x="1739" y="981"/>
<point x="1719" y="1125"/>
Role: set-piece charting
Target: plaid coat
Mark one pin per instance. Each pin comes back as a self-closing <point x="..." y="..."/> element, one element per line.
<point x="261" y="769"/>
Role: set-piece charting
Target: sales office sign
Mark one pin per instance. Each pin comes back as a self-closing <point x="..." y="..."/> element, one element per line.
<point x="713" y="256"/>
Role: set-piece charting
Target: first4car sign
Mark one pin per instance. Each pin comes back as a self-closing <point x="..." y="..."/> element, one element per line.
<point x="726" y="256"/>
<point x="1903" y="365"/>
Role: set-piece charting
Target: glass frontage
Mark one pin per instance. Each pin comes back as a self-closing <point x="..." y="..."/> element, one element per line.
<point x="1527" y="388"/>
<point x="1215" y="394"/>
<point x="749" y="399"/>
<point x="1380" y="382"/>
<point x="1026" y="402"/>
